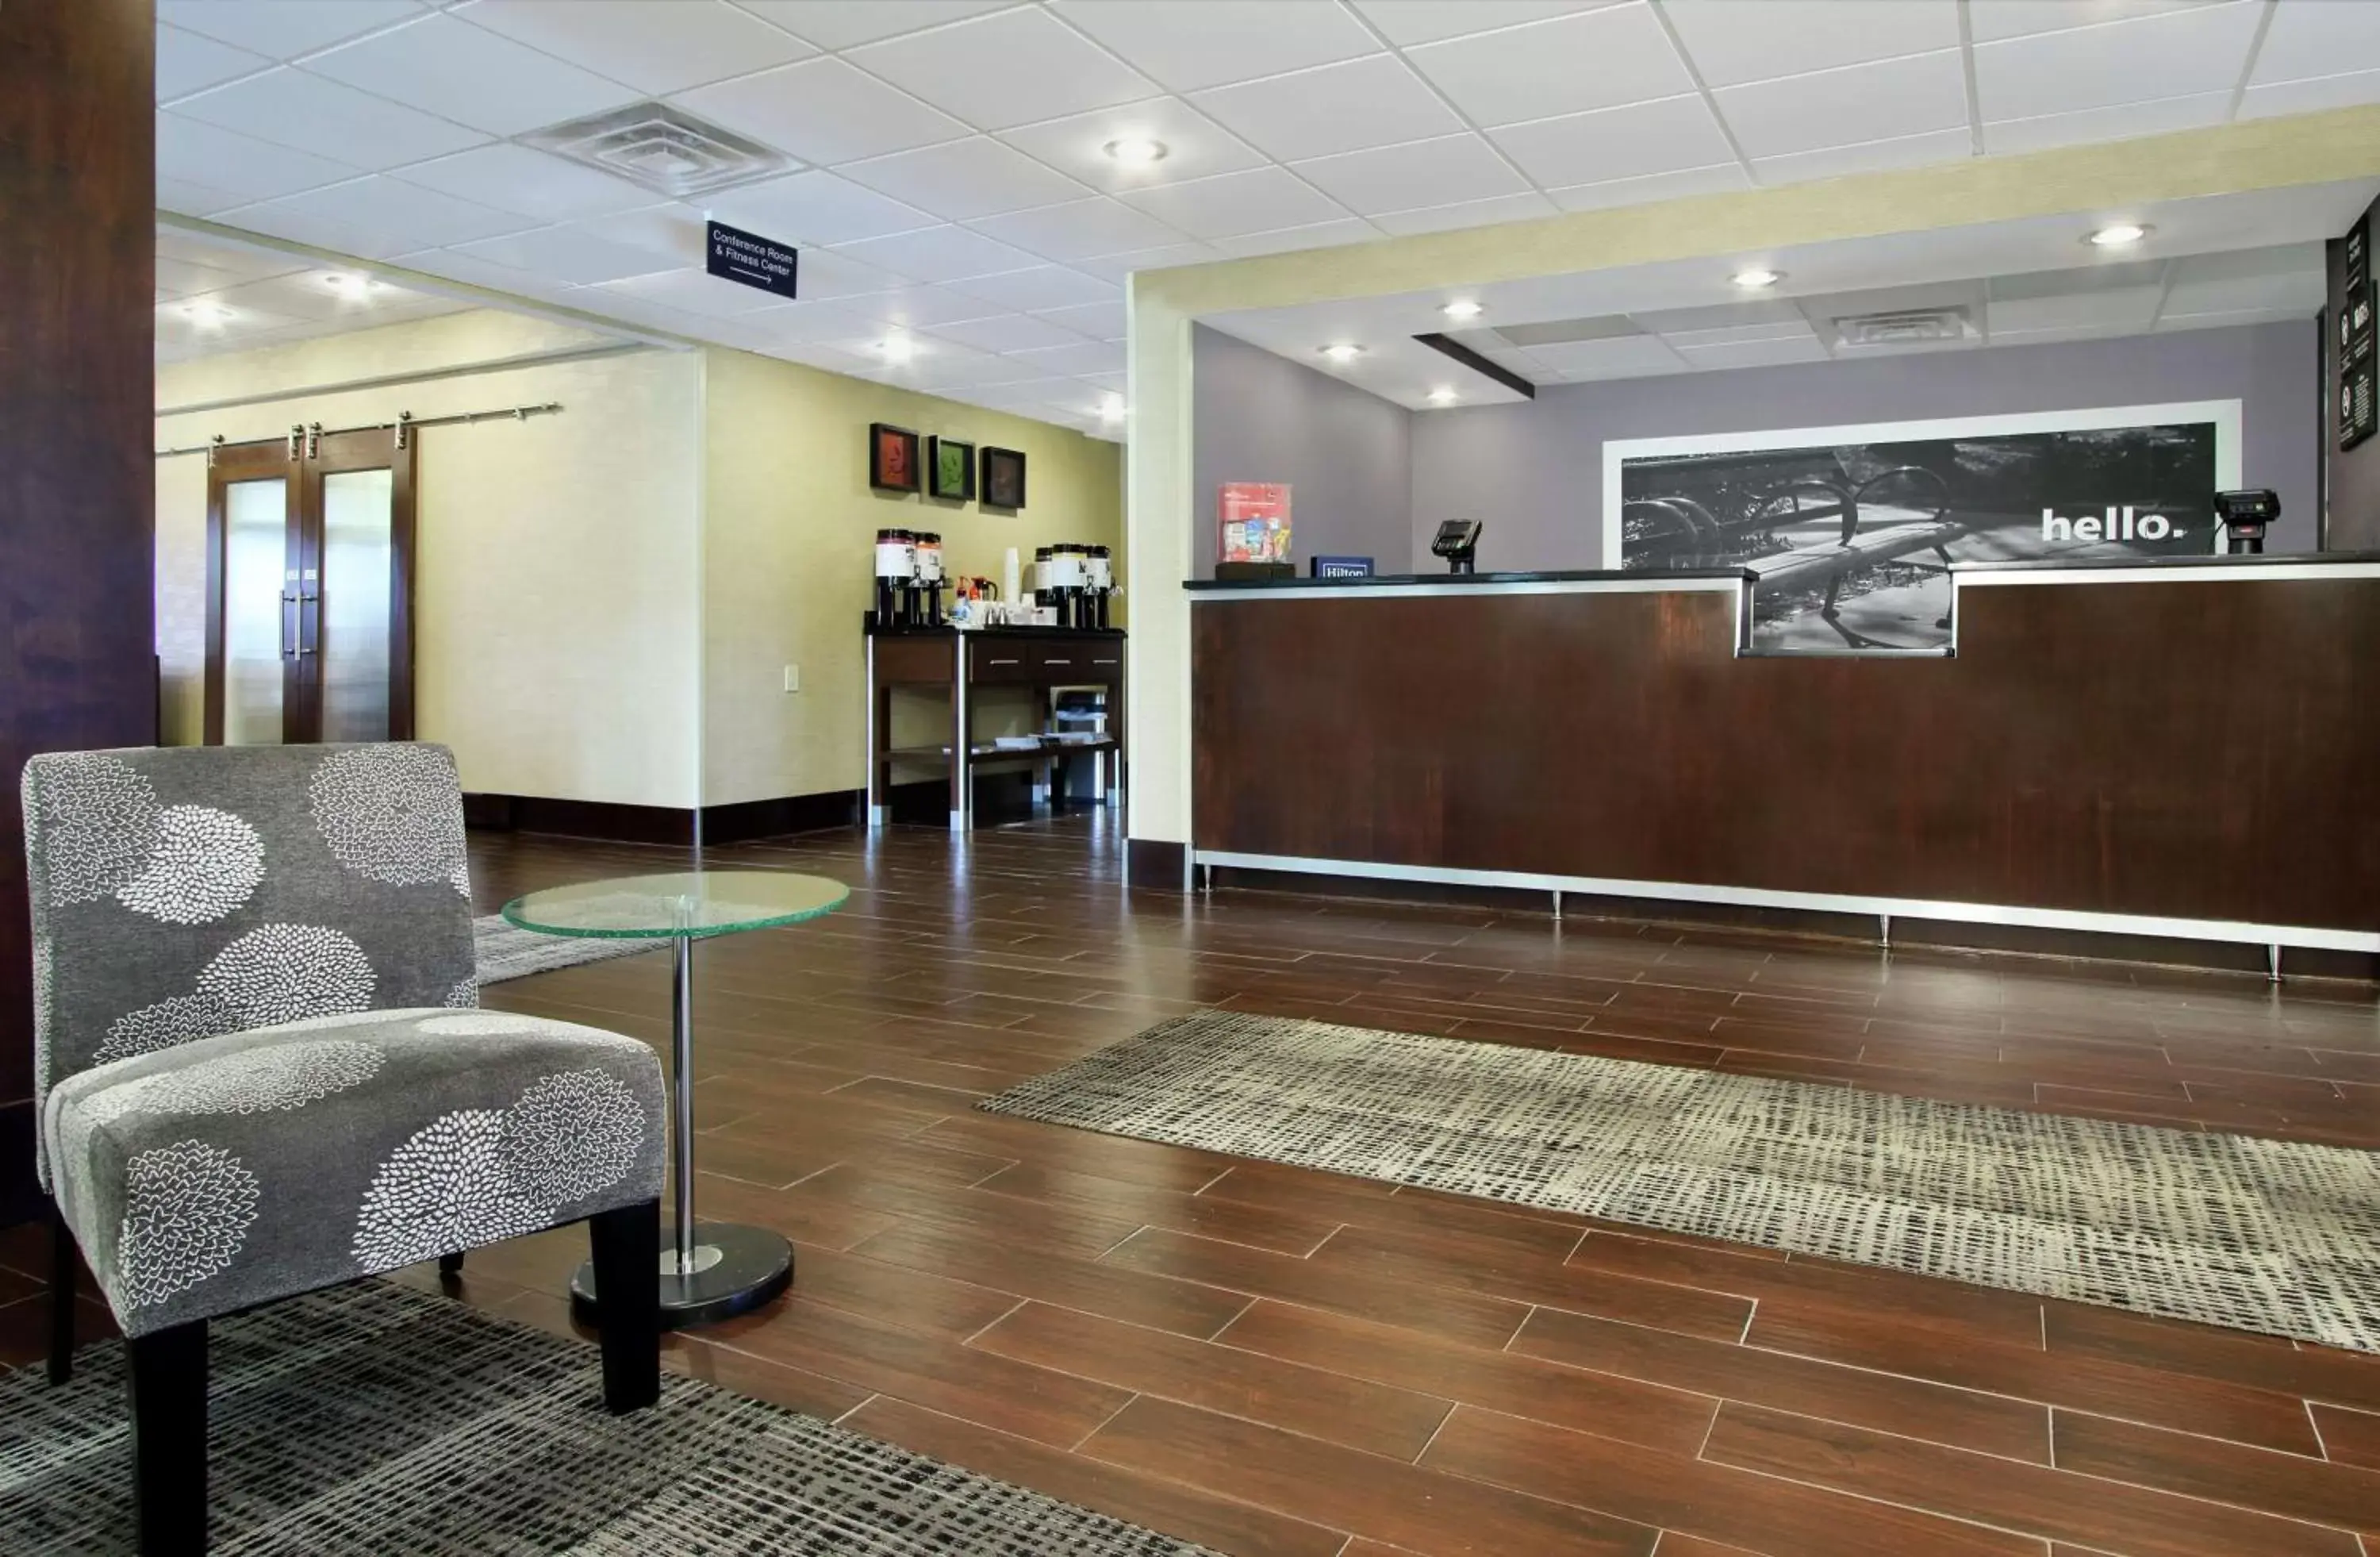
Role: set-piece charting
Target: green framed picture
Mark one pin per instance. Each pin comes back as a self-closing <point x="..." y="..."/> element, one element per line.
<point x="950" y="468"/>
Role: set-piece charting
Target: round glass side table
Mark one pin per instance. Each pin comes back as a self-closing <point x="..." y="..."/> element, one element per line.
<point x="711" y="1269"/>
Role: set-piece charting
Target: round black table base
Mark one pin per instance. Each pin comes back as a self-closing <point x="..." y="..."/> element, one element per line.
<point x="754" y="1267"/>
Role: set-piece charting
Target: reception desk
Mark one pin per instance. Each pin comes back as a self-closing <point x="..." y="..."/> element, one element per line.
<point x="2186" y="749"/>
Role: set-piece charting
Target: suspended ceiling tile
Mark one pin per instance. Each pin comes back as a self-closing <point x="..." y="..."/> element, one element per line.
<point x="1231" y="204"/>
<point x="1377" y="101"/>
<point x="1428" y="21"/>
<point x="2311" y="96"/>
<point x="1671" y="136"/>
<point x="2308" y="41"/>
<point x="1424" y="173"/>
<point x="1008" y="332"/>
<point x="961" y="180"/>
<point x="327" y="118"/>
<point x="1991" y="20"/>
<point x="526" y="182"/>
<point x="656" y="46"/>
<point x="2174" y="53"/>
<point x="1006" y="70"/>
<point x="189" y="62"/>
<point x="689" y="292"/>
<point x="1875" y="156"/>
<point x="2119" y="123"/>
<point x="944" y="254"/>
<point x="1186" y="44"/>
<point x="1601" y="58"/>
<point x="1733" y="41"/>
<point x="817" y="207"/>
<point x="284" y="28"/>
<point x="843" y="24"/>
<point x="1079" y="230"/>
<point x="1116" y="267"/>
<point x="1196" y="147"/>
<point x="1467" y="214"/>
<point x="395" y="212"/>
<point x="470" y="75"/>
<point x="564" y="254"/>
<point x="1038" y="287"/>
<point x="922" y="307"/>
<point x="822" y="111"/>
<point x="1079" y="356"/>
<point x="215" y="158"/>
<point x="1720" y="178"/>
<point x="1755" y="354"/>
<point x="1857" y="105"/>
<point x="1100" y="322"/>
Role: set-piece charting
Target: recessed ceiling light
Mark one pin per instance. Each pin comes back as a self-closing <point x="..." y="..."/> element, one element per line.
<point x="1112" y="407"/>
<point x="1342" y="352"/>
<point x="347" y="284"/>
<point x="205" y="310"/>
<point x="899" y="348"/>
<point x="1443" y="396"/>
<point x="1462" y="307"/>
<point x="1752" y="280"/>
<point x="1136" y="151"/>
<point x="2118" y="235"/>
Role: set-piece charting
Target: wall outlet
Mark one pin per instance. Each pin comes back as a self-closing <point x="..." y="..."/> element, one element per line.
<point x="793" y="678"/>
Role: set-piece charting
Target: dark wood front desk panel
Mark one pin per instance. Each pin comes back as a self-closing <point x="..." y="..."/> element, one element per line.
<point x="2206" y="750"/>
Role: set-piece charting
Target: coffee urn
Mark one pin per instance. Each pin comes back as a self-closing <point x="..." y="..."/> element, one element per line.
<point x="1066" y="560"/>
<point x="897" y="576"/>
<point x="1045" y="581"/>
<point x="1098" y="583"/>
<point x="925" y="604"/>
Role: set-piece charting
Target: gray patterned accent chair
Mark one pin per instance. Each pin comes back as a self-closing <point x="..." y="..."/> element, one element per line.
<point x="262" y="1067"/>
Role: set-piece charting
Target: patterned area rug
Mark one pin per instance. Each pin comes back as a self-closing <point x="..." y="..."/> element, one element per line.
<point x="2228" y="1229"/>
<point x="507" y="951"/>
<point x="375" y="1419"/>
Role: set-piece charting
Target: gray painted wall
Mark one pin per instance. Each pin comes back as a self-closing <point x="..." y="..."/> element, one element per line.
<point x="1535" y="472"/>
<point x="1346" y="455"/>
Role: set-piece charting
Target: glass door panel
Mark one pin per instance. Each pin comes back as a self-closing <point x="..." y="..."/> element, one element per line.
<point x="257" y="621"/>
<point x="359" y="560"/>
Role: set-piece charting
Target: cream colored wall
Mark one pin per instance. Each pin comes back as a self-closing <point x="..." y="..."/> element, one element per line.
<point x="558" y="642"/>
<point x="1161" y="527"/>
<point x="789" y="527"/>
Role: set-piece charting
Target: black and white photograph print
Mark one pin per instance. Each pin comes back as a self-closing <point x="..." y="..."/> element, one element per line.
<point x="1852" y="531"/>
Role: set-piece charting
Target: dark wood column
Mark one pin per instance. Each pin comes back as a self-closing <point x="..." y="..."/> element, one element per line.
<point x="78" y="252"/>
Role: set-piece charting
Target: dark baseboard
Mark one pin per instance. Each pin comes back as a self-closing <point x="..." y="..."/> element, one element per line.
<point x="616" y="824"/>
<point x="1153" y="866"/>
<point x="605" y="820"/>
<point x="771" y="818"/>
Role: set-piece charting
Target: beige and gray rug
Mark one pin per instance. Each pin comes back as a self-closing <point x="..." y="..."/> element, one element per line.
<point x="2230" y="1230"/>
<point x="374" y="1419"/>
<point x="507" y="951"/>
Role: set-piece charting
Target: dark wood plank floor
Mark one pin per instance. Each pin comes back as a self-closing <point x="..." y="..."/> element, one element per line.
<point x="1270" y="1360"/>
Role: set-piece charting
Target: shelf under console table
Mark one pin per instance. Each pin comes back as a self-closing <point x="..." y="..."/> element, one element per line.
<point x="1045" y="660"/>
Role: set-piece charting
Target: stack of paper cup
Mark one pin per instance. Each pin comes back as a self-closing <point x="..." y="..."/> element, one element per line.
<point x="1011" y="581"/>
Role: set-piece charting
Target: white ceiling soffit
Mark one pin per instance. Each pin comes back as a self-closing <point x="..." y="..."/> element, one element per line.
<point x="2223" y="259"/>
<point x="957" y="147"/>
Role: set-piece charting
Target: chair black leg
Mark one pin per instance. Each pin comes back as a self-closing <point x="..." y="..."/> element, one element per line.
<point x="169" y="1439"/>
<point x="626" y="1245"/>
<point x="450" y="1266"/>
<point x="64" y="1265"/>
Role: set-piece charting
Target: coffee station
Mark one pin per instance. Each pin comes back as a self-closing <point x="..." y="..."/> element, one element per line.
<point x="1038" y="647"/>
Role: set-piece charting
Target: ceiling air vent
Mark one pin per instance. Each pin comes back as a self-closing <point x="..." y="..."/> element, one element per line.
<point x="1902" y="327"/>
<point x="663" y="148"/>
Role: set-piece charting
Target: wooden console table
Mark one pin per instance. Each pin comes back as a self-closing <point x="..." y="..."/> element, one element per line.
<point x="1046" y="659"/>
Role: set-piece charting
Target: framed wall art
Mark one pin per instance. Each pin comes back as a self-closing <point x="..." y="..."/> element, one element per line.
<point x="892" y="457"/>
<point x="1003" y="478"/>
<point x="950" y="469"/>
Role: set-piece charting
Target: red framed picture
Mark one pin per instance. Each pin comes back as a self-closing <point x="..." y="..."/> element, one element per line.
<point x="892" y="457"/>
